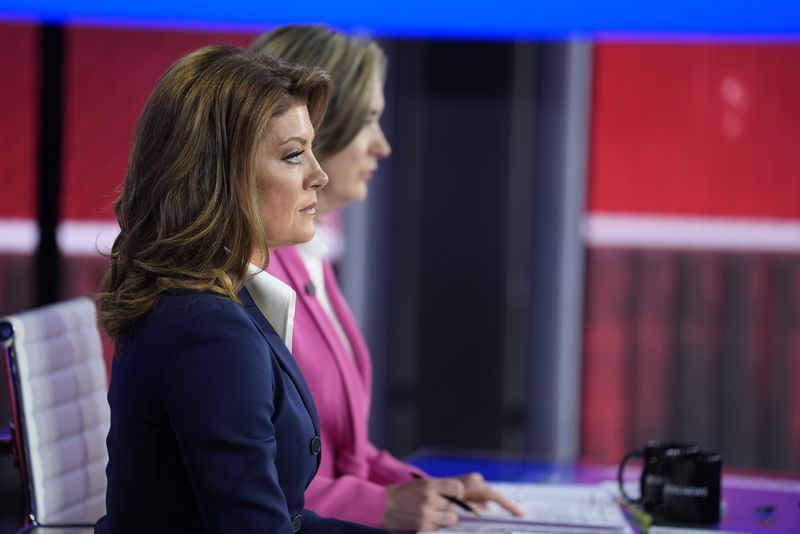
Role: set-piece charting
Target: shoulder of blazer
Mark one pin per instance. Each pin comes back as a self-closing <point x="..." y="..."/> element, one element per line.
<point x="175" y="310"/>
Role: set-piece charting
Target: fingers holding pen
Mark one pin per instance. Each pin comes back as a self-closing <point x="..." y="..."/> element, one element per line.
<point x="478" y="491"/>
<point x="448" y="487"/>
<point x="421" y="505"/>
<point x="427" y="503"/>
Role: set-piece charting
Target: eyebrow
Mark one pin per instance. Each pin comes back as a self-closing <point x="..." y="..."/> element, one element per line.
<point x="300" y="140"/>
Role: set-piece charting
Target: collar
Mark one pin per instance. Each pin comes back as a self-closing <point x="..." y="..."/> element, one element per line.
<point x="274" y="299"/>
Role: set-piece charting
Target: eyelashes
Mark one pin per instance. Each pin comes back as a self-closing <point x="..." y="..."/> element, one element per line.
<point x="293" y="157"/>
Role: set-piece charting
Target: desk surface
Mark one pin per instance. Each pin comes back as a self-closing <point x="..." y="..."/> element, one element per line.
<point x="742" y="493"/>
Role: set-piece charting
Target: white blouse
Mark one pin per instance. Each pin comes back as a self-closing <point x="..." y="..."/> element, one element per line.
<point x="275" y="300"/>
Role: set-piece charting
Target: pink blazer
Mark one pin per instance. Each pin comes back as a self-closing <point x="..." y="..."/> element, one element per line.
<point x="353" y="474"/>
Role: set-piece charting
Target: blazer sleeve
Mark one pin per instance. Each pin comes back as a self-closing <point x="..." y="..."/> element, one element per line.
<point x="314" y="524"/>
<point x="348" y="497"/>
<point x="385" y="469"/>
<point x="219" y="390"/>
<point x="362" y="500"/>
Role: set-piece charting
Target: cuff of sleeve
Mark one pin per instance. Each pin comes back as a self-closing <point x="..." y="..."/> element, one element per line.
<point x="385" y="469"/>
<point x="348" y="498"/>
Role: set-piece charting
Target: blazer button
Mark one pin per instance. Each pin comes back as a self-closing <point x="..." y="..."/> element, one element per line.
<point x="297" y="523"/>
<point x="311" y="289"/>
<point x="316" y="446"/>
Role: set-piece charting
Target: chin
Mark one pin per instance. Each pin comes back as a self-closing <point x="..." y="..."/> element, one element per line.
<point x="305" y="236"/>
<point x="358" y="195"/>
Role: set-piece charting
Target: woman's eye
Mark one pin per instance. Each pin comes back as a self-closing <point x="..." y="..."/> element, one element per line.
<point x="293" y="157"/>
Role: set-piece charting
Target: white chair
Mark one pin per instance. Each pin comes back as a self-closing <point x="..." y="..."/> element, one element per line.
<point x="60" y="417"/>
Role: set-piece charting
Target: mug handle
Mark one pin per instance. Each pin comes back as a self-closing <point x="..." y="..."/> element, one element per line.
<point x="628" y="457"/>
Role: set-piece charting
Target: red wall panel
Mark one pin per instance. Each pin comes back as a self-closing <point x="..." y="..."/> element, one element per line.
<point x="109" y="75"/>
<point x="19" y="104"/>
<point x="696" y="129"/>
<point x="606" y="374"/>
<point x="687" y="344"/>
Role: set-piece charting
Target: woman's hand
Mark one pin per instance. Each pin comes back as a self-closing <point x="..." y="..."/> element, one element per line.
<point x="478" y="491"/>
<point x="419" y="505"/>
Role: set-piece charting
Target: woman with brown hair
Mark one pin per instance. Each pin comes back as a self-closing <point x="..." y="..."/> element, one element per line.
<point x="212" y="426"/>
<point x="356" y="481"/>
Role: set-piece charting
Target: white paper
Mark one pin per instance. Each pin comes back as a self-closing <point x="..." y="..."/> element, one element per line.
<point x="548" y="508"/>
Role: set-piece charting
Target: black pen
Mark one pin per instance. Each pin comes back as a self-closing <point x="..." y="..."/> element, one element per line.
<point x="455" y="500"/>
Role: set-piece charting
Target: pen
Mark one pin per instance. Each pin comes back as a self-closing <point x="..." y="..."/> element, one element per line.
<point x="640" y="519"/>
<point x="455" y="500"/>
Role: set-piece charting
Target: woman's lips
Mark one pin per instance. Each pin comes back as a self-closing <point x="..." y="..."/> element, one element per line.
<point x="311" y="209"/>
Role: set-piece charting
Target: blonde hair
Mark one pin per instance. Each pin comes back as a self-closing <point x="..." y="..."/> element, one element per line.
<point x="188" y="212"/>
<point x="353" y="64"/>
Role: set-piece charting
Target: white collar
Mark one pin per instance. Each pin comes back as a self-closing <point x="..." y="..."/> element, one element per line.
<point x="275" y="301"/>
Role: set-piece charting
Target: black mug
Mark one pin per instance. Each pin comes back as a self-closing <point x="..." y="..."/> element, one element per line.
<point x="680" y="483"/>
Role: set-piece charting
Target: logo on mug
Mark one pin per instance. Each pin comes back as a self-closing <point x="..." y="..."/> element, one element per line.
<point x="685" y="491"/>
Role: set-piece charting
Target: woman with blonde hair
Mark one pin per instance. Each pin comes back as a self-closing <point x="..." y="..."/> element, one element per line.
<point x="356" y="481"/>
<point x="213" y="428"/>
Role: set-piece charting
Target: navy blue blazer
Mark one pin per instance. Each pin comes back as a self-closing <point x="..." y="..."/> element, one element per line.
<point x="213" y="428"/>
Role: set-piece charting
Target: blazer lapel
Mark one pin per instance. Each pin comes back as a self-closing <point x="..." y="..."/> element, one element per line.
<point x="300" y="280"/>
<point x="295" y="269"/>
<point x="284" y="357"/>
<point x="348" y="322"/>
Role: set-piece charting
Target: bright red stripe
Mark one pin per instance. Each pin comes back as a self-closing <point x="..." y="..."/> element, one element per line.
<point x="696" y="129"/>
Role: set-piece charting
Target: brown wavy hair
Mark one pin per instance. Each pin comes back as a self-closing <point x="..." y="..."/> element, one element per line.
<point x="188" y="212"/>
<point x="353" y="64"/>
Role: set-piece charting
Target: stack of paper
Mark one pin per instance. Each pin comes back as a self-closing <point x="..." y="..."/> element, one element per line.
<point x="549" y="508"/>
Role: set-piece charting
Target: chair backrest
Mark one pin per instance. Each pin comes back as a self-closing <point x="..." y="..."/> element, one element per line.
<point x="57" y="376"/>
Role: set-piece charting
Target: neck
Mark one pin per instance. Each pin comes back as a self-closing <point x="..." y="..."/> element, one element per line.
<point x="257" y="257"/>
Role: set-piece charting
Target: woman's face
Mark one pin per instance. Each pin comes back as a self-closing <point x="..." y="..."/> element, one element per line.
<point x="288" y="178"/>
<point x="352" y="167"/>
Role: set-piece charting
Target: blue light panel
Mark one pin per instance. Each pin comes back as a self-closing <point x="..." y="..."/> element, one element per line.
<point x="507" y="19"/>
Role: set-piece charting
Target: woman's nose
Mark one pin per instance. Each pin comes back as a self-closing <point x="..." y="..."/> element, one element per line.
<point x="317" y="178"/>
<point x="381" y="147"/>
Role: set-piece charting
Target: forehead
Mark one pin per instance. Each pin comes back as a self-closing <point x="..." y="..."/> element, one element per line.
<point x="376" y="100"/>
<point x="294" y="122"/>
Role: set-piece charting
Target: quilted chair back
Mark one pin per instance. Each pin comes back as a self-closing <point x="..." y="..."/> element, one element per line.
<point x="54" y="359"/>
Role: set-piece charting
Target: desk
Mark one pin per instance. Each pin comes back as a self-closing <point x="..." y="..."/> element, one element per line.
<point x="742" y="492"/>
